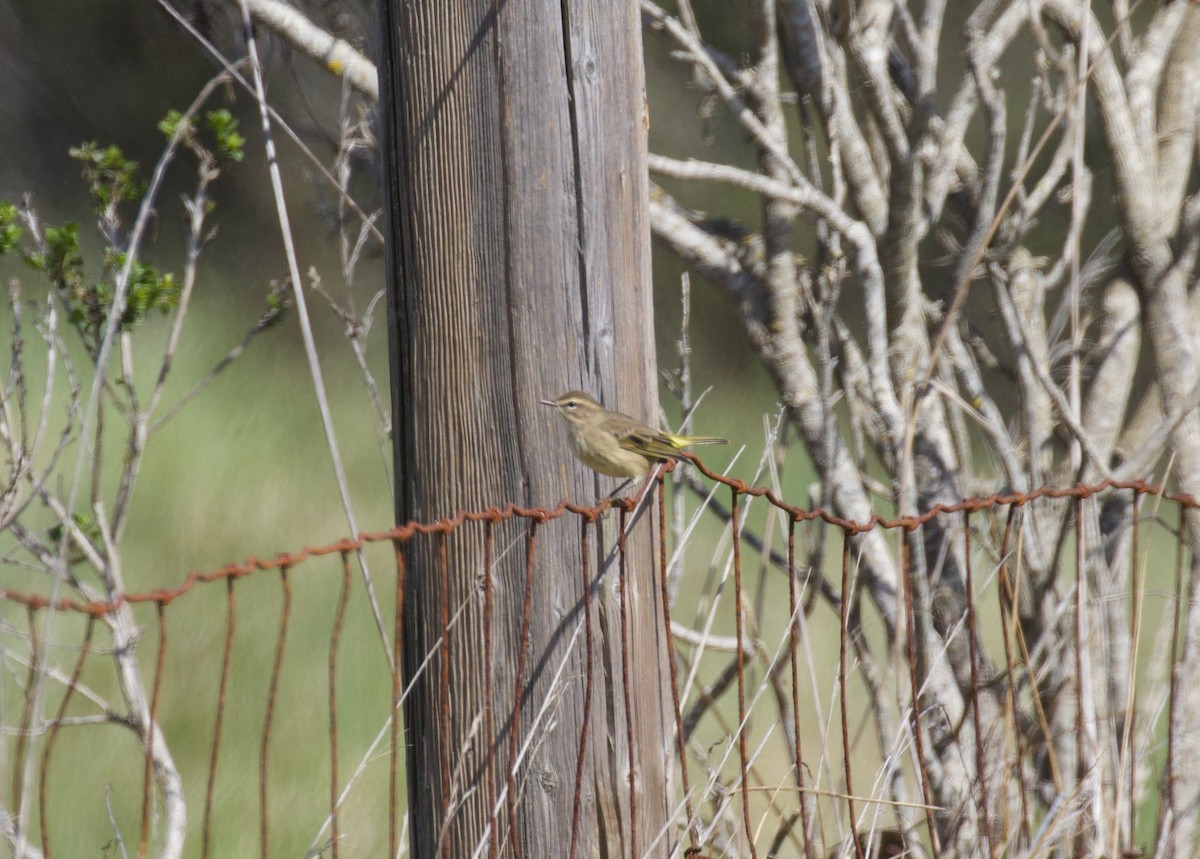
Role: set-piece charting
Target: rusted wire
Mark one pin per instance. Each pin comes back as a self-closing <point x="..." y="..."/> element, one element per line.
<point x="451" y="640"/>
<point x="680" y="741"/>
<point x="794" y="643"/>
<point x="445" y="731"/>
<point x="914" y="678"/>
<point x="843" y="690"/>
<point x="84" y="650"/>
<point x="973" y="656"/>
<point x="585" y="526"/>
<point x="743" y="716"/>
<point x="335" y="640"/>
<point x="272" y="690"/>
<point x="1006" y="595"/>
<point x="35" y="659"/>
<point x="626" y="686"/>
<point x="219" y="718"/>
<point x="1168" y="811"/>
<point x="448" y="525"/>
<point x="514" y="737"/>
<point x="1135" y="624"/>
<point x="148" y="769"/>
<point x="1077" y="775"/>
<point x="398" y="547"/>
<point x="489" y="723"/>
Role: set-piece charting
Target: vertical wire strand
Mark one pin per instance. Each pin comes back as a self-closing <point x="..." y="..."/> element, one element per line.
<point x="843" y="688"/>
<point x="910" y="624"/>
<point x="219" y="718"/>
<point x="19" y="759"/>
<point x="445" y="733"/>
<point x="623" y="609"/>
<point x="680" y="742"/>
<point x="156" y="689"/>
<point x="1167" y="817"/>
<point x="1138" y="584"/>
<point x="519" y="691"/>
<point x="488" y="681"/>
<point x="334" y="642"/>
<point x="52" y="737"/>
<point x="794" y="644"/>
<point x="1077" y="775"/>
<point x="398" y="547"/>
<point x="973" y="655"/>
<point x="740" y="621"/>
<point x="588" y="678"/>
<point x="1006" y="594"/>
<point x="272" y="691"/>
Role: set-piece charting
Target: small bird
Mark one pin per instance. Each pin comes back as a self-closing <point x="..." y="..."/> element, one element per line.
<point x="615" y="444"/>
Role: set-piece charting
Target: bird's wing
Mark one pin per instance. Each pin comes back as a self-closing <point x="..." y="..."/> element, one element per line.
<point x="647" y="441"/>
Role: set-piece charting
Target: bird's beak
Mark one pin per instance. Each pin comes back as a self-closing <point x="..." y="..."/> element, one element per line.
<point x="548" y="403"/>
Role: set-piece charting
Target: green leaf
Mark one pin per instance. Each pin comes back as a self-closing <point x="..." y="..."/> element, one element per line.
<point x="171" y="122"/>
<point x="10" y="231"/>
<point x="112" y="177"/>
<point x="224" y="128"/>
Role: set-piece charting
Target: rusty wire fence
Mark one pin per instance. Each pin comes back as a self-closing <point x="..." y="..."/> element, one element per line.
<point x="795" y="727"/>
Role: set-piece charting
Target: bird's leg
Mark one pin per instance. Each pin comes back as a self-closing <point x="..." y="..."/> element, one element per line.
<point x="619" y="489"/>
<point x="646" y="488"/>
<point x="655" y="473"/>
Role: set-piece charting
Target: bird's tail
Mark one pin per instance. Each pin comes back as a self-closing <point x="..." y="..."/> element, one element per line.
<point x="682" y="441"/>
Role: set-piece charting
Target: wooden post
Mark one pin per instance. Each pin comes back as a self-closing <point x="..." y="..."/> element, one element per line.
<point x="514" y="140"/>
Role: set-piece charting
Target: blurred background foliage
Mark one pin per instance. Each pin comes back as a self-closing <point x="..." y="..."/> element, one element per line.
<point x="244" y="467"/>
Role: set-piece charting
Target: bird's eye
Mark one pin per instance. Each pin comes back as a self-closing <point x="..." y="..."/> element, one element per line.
<point x="572" y="404"/>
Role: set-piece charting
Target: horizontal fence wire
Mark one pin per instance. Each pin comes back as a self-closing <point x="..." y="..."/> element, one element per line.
<point x="778" y="767"/>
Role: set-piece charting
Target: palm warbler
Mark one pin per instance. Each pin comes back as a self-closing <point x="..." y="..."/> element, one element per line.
<point x="616" y="444"/>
